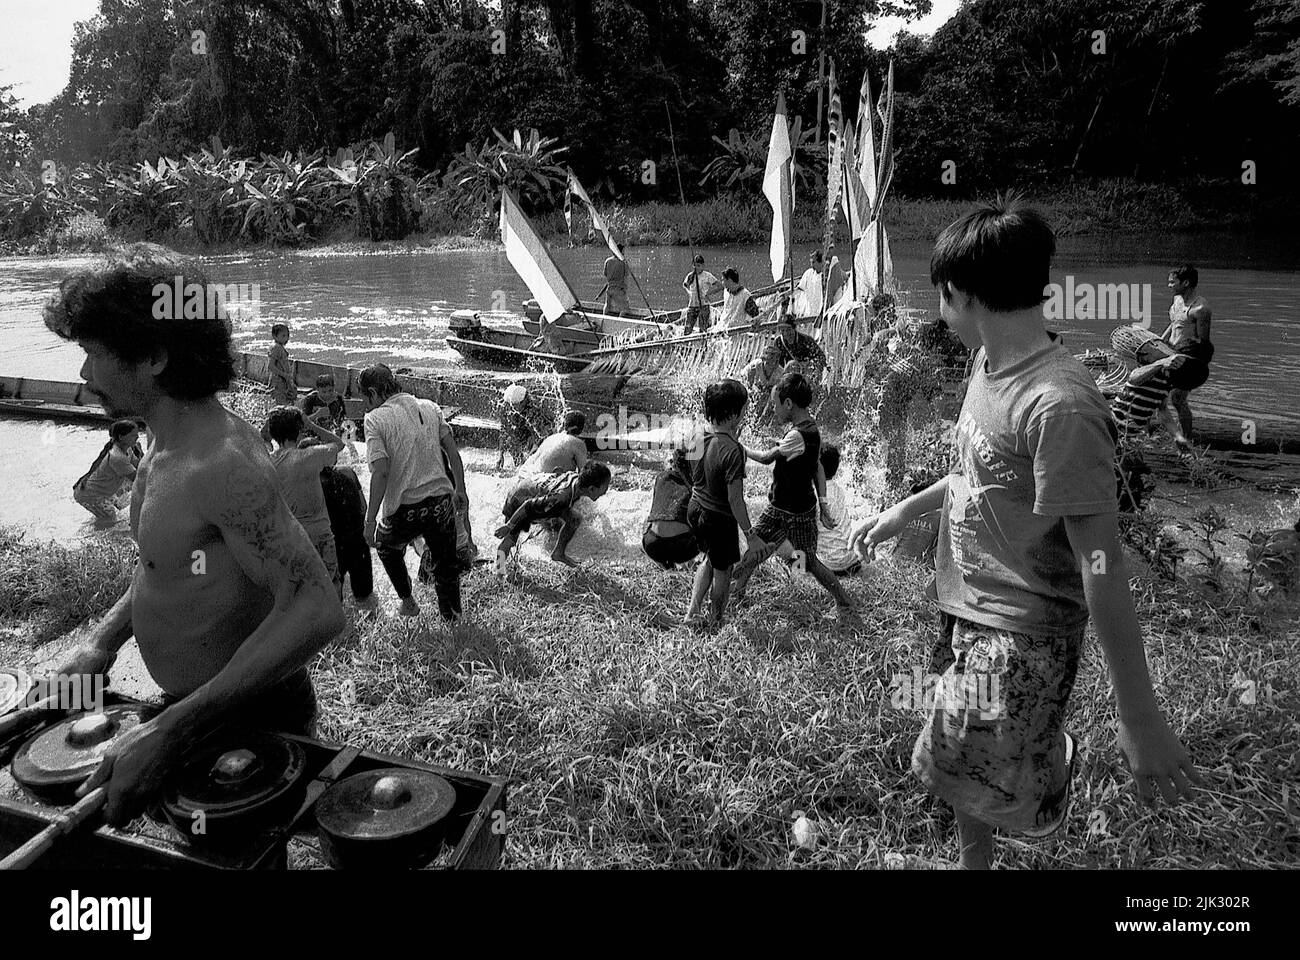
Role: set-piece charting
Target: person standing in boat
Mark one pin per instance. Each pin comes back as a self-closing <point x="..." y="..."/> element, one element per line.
<point x="280" y="374"/>
<point x="1188" y="332"/>
<point x="737" y="302"/>
<point x="699" y="284"/>
<point x="99" y="487"/>
<point x="808" y="299"/>
<point x="616" y="304"/>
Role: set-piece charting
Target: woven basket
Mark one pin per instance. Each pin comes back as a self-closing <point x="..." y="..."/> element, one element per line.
<point x="1128" y="339"/>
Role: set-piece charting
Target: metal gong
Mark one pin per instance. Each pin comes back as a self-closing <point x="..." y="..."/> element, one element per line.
<point x="15" y="684"/>
<point x="61" y="757"/>
<point x="390" y="817"/>
<point x="243" y="784"/>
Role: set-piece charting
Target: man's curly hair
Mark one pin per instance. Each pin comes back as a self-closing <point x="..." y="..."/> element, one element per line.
<point x="113" y="306"/>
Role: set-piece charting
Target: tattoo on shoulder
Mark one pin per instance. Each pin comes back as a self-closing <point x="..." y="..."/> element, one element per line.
<point x="251" y="509"/>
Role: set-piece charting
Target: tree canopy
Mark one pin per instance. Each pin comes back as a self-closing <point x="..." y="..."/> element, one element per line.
<point x="1007" y="91"/>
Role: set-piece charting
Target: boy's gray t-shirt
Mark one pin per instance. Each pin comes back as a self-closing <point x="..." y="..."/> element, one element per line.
<point x="1035" y="443"/>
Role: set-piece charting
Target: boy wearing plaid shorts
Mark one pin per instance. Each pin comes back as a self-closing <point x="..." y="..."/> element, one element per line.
<point x="1028" y="549"/>
<point x="798" y="488"/>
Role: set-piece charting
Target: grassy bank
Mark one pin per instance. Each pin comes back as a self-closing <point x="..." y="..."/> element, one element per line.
<point x="1085" y="208"/>
<point x="632" y="745"/>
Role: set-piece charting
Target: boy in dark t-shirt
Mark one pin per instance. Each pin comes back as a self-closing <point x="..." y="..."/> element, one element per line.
<point x="798" y="488"/>
<point x="346" y="504"/>
<point x="717" y="513"/>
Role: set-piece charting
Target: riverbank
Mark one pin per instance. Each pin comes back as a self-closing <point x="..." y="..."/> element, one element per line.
<point x="632" y="745"/>
<point x="1082" y="209"/>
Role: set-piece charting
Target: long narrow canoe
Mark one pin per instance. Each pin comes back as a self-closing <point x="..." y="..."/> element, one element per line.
<point x="513" y="351"/>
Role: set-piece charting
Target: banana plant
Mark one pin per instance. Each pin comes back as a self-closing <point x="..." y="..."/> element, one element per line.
<point x="529" y="166"/>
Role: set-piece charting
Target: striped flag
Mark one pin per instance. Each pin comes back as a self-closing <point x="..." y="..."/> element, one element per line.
<point x="885" y="168"/>
<point x="597" y="221"/>
<point x="835" y="151"/>
<point x="867" y="138"/>
<point x="857" y="205"/>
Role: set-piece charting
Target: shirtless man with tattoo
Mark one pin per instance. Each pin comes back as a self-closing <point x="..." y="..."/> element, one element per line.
<point x="228" y="600"/>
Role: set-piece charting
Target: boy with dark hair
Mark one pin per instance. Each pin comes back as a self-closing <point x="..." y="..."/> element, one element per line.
<point x="346" y="504"/>
<point x="668" y="539"/>
<point x="833" y="548"/>
<point x="549" y="499"/>
<point x="798" y="489"/>
<point x="562" y="451"/>
<point x="299" y="466"/>
<point x="324" y="405"/>
<point x="283" y="392"/>
<point x="717" y="513"/>
<point x="1188" y="333"/>
<point x="1028" y="548"/>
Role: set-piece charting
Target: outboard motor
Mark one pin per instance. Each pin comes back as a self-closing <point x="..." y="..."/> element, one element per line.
<point x="466" y="325"/>
<point x="533" y="310"/>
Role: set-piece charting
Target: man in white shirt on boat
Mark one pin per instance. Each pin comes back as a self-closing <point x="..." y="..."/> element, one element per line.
<point x="808" y="292"/>
<point x="699" y="285"/>
<point x="738" y="303"/>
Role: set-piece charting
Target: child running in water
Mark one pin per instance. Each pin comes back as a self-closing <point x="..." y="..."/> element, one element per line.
<point x="798" y="489"/>
<point x="99" y="487"/>
<point x="549" y="498"/>
<point x="1028" y="549"/>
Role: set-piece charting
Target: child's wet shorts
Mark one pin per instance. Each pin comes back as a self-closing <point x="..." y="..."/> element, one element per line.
<point x="717" y="534"/>
<point x="775" y="525"/>
<point x="993" y="744"/>
<point x="670" y="551"/>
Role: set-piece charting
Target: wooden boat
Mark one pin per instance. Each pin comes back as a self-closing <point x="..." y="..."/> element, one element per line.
<point x="58" y="400"/>
<point x="592" y="329"/>
<point x="513" y="351"/>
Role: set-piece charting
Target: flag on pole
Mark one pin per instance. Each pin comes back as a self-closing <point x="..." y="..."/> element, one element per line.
<point x="776" y="187"/>
<point x="835" y="150"/>
<point x="597" y="221"/>
<point x="527" y="253"/>
<point x="857" y="207"/>
<point x="867" y="139"/>
<point x="885" y="166"/>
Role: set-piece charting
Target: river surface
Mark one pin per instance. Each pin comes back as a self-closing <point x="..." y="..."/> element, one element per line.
<point x="351" y="309"/>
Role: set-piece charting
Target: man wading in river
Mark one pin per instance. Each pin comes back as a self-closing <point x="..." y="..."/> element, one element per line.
<point x="228" y="599"/>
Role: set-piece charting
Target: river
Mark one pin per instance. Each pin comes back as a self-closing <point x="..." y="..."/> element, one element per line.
<point x="351" y="309"/>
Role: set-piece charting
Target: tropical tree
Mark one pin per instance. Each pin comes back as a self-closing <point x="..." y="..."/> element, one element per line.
<point x="527" y="165"/>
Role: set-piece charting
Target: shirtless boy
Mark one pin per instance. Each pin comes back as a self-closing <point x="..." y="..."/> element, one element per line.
<point x="228" y="600"/>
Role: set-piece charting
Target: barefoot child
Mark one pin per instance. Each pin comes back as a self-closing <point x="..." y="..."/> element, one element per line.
<point x="1028" y="549"/>
<point x="549" y="498"/>
<point x="99" y="488"/>
<point x="798" y="487"/>
<point x="299" y="472"/>
<point x="283" y="392"/>
<point x="717" y="512"/>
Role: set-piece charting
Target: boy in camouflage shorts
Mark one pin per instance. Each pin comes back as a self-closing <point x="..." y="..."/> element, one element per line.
<point x="1028" y="549"/>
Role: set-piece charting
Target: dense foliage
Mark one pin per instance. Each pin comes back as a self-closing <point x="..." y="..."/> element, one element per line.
<point x="1007" y="92"/>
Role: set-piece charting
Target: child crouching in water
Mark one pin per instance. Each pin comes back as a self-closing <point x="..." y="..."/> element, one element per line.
<point x="717" y="512"/>
<point x="550" y="499"/>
